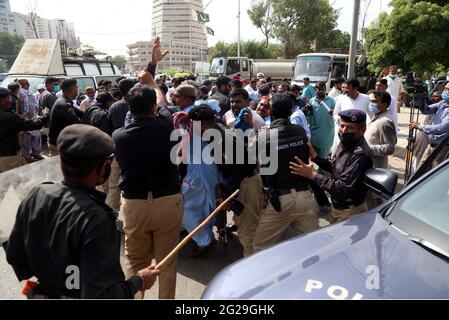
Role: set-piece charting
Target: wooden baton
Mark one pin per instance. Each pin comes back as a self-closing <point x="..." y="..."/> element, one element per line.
<point x="186" y="240"/>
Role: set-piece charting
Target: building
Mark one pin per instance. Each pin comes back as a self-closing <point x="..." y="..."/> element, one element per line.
<point x="139" y="56"/>
<point x="174" y="23"/>
<point x="46" y="29"/>
<point x="7" y="18"/>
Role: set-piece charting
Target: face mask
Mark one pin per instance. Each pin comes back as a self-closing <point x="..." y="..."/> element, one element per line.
<point x="347" y="139"/>
<point x="445" y="96"/>
<point x="373" y="108"/>
<point x="392" y="75"/>
<point x="56" y="89"/>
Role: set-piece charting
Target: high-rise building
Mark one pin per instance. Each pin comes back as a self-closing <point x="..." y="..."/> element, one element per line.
<point x="7" y="18"/>
<point x="46" y="29"/>
<point x="173" y="21"/>
<point x="139" y="56"/>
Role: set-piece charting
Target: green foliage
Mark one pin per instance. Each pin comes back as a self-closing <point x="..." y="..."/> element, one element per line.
<point x="300" y="25"/>
<point x="261" y="16"/>
<point x="120" y="61"/>
<point x="252" y="49"/>
<point x="413" y="36"/>
<point x="9" y="49"/>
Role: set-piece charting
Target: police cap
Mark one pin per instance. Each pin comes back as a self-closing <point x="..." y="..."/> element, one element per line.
<point x="353" y="116"/>
<point x="4" y="92"/>
<point x="82" y="143"/>
<point x="281" y="102"/>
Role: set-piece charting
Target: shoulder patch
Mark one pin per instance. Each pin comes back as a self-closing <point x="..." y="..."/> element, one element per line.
<point x="358" y="150"/>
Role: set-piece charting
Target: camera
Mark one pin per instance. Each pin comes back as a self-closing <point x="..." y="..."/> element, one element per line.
<point x="417" y="90"/>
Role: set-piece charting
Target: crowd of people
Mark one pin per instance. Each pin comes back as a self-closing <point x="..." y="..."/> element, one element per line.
<point x="116" y="149"/>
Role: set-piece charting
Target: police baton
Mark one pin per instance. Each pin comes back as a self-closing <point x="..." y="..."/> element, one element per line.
<point x="194" y="232"/>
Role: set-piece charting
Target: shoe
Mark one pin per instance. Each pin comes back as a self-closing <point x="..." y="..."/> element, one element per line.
<point x="325" y="210"/>
<point x="37" y="157"/>
<point x="197" y="252"/>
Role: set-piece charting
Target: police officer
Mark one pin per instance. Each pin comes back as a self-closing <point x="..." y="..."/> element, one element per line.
<point x="348" y="166"/>
<point x="292" y="202"/>
<point x="63" y="113"/>
<point x="66" y="229"/>
<point x="10" y="125"/>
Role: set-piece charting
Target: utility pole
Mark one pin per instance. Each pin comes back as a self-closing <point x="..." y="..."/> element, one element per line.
<point x="354" y="37"/>
<point x="238" y="41"/>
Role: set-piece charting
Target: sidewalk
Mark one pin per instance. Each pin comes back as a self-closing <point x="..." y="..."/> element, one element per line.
<point x="404" y="121"/>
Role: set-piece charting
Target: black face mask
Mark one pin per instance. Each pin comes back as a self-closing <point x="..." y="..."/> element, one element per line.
<point x="347" y="139"/>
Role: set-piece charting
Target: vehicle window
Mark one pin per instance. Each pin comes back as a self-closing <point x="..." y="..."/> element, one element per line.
<point x="245" y="65"/>
<point x="73" y="70"/>
<point x="312" y="66"/>
<point x="91" y="69"/>
<point x="106" y="69"/>
<point x="424" y="211"/>
<point x="233" y="67"/>
<point x="338" y="70"/>
<point x="83" y="83"/>
<point x="110" y="78"/>
<point x="34" y="82"/>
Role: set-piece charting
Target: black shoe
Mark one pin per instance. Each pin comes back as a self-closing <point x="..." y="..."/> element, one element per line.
<point x="197" y="252"/>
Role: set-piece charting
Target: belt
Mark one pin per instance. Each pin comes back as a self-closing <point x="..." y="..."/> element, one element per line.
<point x="283" y="192"/>
<point x="345" y="206"/>
<point x="151" y="194"/>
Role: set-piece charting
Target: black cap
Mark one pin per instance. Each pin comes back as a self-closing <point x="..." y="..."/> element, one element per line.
<point x="353" y="116"/>
<point x="4" y="92"/>
<point x="82" y="143"/>
<point x="281" y="102"/>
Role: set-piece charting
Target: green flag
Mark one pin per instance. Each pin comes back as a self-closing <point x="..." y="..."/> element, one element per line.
<point x="202" y="17"/>
<point x="210" y="31"/>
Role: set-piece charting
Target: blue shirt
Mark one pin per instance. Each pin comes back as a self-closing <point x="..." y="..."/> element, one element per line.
<point x="299" y="118"/>
<point x="308" y="92"/>
<point x="439" y="128"/>
<point x="322" y="124"/>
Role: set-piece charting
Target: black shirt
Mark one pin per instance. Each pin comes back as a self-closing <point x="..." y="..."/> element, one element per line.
<point x="10" y="125"/>
<point x="98" y="116"/>
<point x="347" y="168"/>
<point x="292" y="142"/>
<point x="118" y="113"/>
<point x="68" y="224"/>
<point x="63" y="114"/>
<point x="143" y="152"/>
<point x="47" y="100"/>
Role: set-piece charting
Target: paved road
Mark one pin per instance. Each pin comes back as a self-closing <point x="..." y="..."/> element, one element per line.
<point x="193" y="274"/>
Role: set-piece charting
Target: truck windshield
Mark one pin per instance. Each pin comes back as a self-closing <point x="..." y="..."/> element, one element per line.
<point x="312" y="67"/>
<point x="217" y="66"/>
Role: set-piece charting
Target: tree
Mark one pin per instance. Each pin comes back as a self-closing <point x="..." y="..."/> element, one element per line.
<point x="260" y="15"/>
<point x="336" y="39"/>
<point x="413" y="36"/>
<point x="31" y="19"/>
<point x="9" y="48"/>
<point x="120" y="61"/>
<point x="301" y="25"/>
<point x="252" y="49"/>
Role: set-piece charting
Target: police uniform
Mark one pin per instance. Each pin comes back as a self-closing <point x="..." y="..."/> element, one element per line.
<point x="296" y="205"/>
<point x="66" y="229"/>
<point x="10" y="125"/>
<point x="347" y="169"/>
<point x="63" y="114"/>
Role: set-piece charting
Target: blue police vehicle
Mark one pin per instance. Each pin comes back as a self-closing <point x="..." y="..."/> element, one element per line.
<point x="400" y="250"/>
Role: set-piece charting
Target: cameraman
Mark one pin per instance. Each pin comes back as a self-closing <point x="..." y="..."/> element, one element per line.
<point x="439" y="128"/>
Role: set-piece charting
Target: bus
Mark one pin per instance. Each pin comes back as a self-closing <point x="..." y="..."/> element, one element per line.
<point x="326" y="67"/>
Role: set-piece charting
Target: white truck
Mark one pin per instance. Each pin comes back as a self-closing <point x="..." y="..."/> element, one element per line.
<point x="42" y="58"/>
<point x="276" y="69"/>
